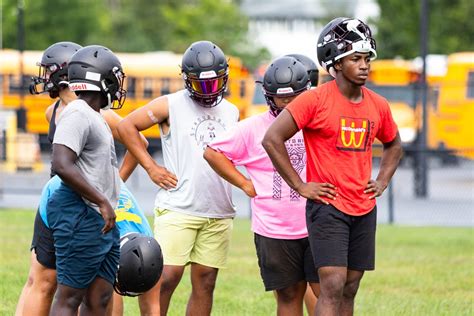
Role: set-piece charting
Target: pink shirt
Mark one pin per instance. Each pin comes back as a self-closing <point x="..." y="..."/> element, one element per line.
<point x="277" y="211"/>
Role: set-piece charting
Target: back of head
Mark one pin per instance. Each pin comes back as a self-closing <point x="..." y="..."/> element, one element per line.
<point x="285" y="77"/>
<point x="140" y="265"/>
<point x="205" y="73"/>
<point x="96" y="68"/>
<point x="342" y="37"/>
<point x="53" y="68"/>
<point x="311" y="67"/>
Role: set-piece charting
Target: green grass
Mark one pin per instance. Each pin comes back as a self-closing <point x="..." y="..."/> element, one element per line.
<point x="419" y="271"/>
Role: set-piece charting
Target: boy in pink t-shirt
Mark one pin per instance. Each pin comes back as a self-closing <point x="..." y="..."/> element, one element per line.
<point x="278" y="212"/>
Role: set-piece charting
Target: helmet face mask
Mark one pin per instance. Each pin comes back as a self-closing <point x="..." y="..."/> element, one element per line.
<point x="96" y="68"/>
<point x="52" y="70"/>
<point x="205" y="73"/>
<point x="285" y="77"/>
<point x="342" y="37"/>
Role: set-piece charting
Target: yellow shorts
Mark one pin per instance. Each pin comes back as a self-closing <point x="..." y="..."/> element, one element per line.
<point x="185" y="238"/>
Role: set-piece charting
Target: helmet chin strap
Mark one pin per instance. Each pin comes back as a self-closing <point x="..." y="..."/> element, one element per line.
<point x="109" y="103"/>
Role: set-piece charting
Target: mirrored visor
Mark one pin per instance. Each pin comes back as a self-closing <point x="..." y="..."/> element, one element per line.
<point x="207" y="86"/>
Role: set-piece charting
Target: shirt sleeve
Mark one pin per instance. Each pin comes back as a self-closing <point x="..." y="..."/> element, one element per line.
<point x="302" y="109"/>
<point x="72" y="131"/>
<point x="231" y="144"/>
<point x="388" y="128"/>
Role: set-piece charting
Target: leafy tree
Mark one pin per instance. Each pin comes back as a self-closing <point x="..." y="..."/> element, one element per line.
<point x="133" y="25"/>
<point x="451" y="27"/>
<point x="50" y="21"/>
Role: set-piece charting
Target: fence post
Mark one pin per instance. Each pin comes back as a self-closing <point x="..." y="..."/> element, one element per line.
<point x="391" y="211"/>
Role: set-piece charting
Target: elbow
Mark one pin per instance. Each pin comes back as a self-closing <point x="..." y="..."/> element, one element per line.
<point x="207" y="155"/>
<point x="58" y="167"/>
<point x="268" y="142"/>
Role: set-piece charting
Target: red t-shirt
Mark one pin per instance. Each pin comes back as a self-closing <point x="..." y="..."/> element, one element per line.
<point x="338" y="137"/>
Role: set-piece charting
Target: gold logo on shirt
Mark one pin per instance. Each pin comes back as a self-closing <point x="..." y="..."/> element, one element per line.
<point x="353" y="134"/>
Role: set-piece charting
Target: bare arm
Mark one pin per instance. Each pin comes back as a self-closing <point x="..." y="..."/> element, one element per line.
<point x="155" y="112"/>
<point x="129" y="162"/>
<point x="63" y="165"/>
<point x="226" y="169"/>
<point x="391" y="155"/>
<point x="282" y="129"/>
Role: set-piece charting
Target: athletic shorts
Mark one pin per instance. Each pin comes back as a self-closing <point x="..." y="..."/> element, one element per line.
<point x="83" y="253"/>
<point x="284" y="262"/>
<point x="188" y="239"/>
<point x="341" y="240"/>
<point x="43" y="243"/>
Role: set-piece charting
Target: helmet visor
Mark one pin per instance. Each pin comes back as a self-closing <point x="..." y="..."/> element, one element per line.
<point x="208" y="86"/>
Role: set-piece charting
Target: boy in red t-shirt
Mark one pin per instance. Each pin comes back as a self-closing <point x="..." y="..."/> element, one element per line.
<point x="340" y="120"/>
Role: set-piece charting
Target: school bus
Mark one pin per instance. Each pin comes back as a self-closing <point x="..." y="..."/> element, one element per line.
<point x="149" y="75"/>
<point x="451" y="123"/>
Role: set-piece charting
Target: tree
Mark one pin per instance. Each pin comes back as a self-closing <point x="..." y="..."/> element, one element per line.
<point x="132" y="25"/>
<point x="77" y="21"/>
<point x="451" y="27"/>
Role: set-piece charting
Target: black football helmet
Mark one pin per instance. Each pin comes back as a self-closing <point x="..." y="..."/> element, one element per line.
<point x="53" y="68"/>
<point x="311" y="67"/>
<point x="140" y="265"/>
<point x="283" y="78"/>
<point x="342" y="37"/>
<point x="96" y="68"/>
<point x="205" y="72"/>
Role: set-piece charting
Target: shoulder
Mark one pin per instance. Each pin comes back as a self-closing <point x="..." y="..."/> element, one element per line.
<point x="375" y="98"/>
<point x="49" y="111"/>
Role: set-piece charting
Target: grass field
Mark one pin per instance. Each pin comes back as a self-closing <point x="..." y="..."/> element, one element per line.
<point x="419" y="271"/>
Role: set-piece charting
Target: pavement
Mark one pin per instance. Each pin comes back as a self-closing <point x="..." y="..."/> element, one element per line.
<point x="450" y="199"/>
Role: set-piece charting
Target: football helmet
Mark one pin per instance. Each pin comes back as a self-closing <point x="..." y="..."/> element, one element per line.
<point x="140" y="265"/>
<point x="53" y="67"/>
<point x="205" y="72"/>
<point x="96" y="68"/>
<point x="342" y="37"/>
<point x="285" y="77"/>
<point x="311" y="67"/>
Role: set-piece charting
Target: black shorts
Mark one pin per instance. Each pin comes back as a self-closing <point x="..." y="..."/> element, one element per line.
<point x="284" y="262"/>
<point x="43" y="243"/>
<point x="341" y="240"/>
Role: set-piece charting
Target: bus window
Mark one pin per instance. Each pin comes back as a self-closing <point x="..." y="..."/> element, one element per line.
<point x="131" y="86"/>
<point x="15" y="84"/>
<point x="404" y="94"/>
<point x="148" y="88"/>
<point x="470" y="85"/>
<point x="258" y="97"/>
<point x="242" y="89"/>
<point x="165" y="86"/>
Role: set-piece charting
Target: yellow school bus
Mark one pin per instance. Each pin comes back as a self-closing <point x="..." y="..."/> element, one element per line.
<point x="394" y="79"/>
<point x="451" y="123"/>
<point x="149" y="75"/>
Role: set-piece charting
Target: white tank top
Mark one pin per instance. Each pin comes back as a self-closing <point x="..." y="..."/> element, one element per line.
<point x="200" y="191"/>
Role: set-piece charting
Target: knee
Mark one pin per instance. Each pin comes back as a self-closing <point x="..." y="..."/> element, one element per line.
<point x="289" y="294"/>
<point x="206" y="281"/>
<point x="350" y="289"/>
<point x="333" y="285"/>
<point x="98" y="301"/>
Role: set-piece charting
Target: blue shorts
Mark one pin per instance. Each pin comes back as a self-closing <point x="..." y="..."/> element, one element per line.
<point x="130" y="217"/>
<point x="83" y="253"/>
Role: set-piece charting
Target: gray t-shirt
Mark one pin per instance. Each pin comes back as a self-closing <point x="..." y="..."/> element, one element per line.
<point x="85" y="132"/>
